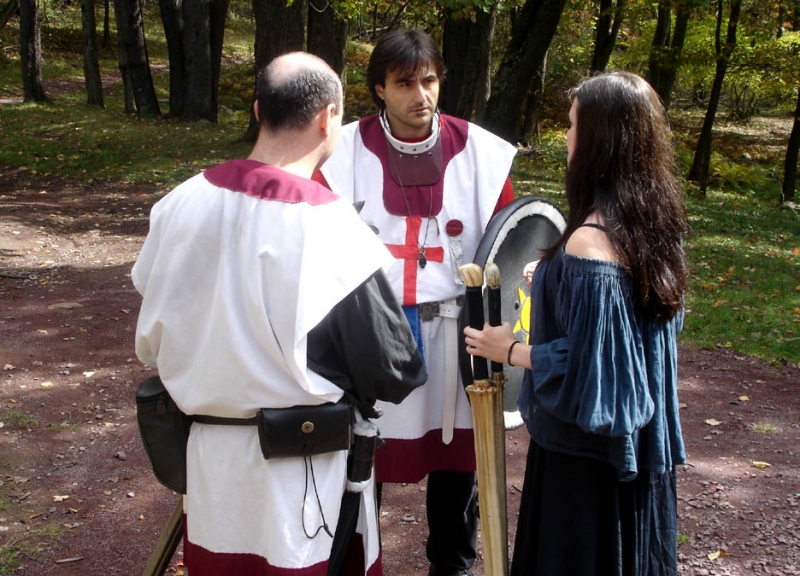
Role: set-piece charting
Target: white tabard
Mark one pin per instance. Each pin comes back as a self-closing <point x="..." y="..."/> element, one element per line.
<point x="240" y="263"/>
<point x="475" y="168"/>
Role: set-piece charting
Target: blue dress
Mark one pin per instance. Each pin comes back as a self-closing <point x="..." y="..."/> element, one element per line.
<point x="601" y="407"/>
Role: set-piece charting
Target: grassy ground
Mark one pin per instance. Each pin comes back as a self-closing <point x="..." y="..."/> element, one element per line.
<point x="744" y="250"/>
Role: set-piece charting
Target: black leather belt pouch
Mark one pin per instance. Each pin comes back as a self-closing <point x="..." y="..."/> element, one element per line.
<point x="305" y="430"/>
<point x="165" y="433"/>
<point x="361" y="458"/>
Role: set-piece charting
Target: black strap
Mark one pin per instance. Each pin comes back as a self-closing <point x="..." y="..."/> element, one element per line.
<point x="614" y="238"/>
<point x="598" y="226"/>
<point x="225" y="421"/>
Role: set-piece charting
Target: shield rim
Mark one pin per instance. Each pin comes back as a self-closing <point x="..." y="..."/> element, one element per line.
<point x="498" y="229"/>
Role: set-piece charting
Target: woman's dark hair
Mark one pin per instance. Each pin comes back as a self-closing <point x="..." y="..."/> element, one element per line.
<point x="291" y="101"/>
<point x="404" y="51"/>
<point x="623" y="165"/>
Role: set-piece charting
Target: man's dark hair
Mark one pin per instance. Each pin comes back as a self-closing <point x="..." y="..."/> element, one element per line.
<point x="290" y="101"/>
<point x="404" y="51"/>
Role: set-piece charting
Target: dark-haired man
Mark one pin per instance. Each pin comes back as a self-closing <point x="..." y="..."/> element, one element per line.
<point x="429" y="184"/>
<point x="263" y="289"/>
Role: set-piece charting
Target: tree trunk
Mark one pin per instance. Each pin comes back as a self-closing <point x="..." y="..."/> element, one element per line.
<point x="197" y="53"/>
<point x="124" y="69"/>
<point x="673" y="63"/>
<point x="476" y="86"/>
<point x="172" y="20"/>
<point x="219" y="12"/>
<point x="793" y="16"/>
<point x="133" y="56"/>
<point x="531" y="36"/>
<point x="455" y="45"/>
<point x="790" y="163"/>
<point x="279" y="29"/>
<point x="702" y="156"/>
<point x="659" y="45"/>
<point x="106" y="23"/>
<point x="7" y="11"/>
<point x="327" y="38"/>
<point x="532" y="109"/>
<point x="91" y="64"/>
<point x="666" y="49"/>
<point x="606" y="30"/>
<point x="30" y="51"/>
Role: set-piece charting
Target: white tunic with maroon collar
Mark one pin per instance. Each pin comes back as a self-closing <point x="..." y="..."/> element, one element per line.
<point x="447" y="217"/>
<point x="230" y="278"/>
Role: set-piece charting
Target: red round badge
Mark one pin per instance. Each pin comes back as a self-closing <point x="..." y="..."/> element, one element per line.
<point x="454" y="227"/>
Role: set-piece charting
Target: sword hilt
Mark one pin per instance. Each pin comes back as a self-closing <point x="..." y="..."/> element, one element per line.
<point x="492" y="275"/>
<point x="473" y="278"/>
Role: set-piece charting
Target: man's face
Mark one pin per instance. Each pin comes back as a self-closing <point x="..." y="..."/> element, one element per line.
<point x="410" y="101"/>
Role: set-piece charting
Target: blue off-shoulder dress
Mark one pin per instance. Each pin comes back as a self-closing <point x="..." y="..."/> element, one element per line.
<point x="601" y="406"/>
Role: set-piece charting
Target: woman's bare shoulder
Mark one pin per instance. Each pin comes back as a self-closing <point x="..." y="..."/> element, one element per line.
<point x="590" y="242"/>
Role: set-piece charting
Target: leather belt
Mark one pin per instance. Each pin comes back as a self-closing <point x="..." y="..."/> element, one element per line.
<point x="447" y="309"/>
<point x="219" y="420"/>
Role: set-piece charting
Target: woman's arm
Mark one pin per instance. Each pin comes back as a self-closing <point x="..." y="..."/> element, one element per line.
<point x="495" y="342"/>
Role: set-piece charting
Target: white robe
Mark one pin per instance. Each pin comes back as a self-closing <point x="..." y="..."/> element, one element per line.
<point x="233" y="276"/>
<point x="474" y="176"/>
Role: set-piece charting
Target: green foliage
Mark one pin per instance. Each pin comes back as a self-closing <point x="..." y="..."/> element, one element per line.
<point x="762" y="72"/>
<point x="540" y="171"/>
<point x="18" y="419"/>
<point x="358" y="99"/>
<point x="64" y="138"/>
<point x="765" y="66"/>
<point x="745" y="262"/>
<point x="29" y="545"/>
<point x="67" y="139"/>
<point x="744" y="251"/>
<point x="764" y="428"/>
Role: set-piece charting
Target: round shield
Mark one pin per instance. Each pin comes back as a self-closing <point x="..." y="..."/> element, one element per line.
<point x="515" y="236"/>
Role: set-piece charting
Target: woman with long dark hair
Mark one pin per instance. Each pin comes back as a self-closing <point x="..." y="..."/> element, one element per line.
<point x="600" y="394"/>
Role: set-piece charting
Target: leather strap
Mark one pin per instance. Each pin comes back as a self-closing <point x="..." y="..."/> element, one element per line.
<point x="450" y="310"/>
<point x="219" y="420"/>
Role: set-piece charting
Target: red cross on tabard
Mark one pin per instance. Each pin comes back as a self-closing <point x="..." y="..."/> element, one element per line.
<point x="409" y="253"/>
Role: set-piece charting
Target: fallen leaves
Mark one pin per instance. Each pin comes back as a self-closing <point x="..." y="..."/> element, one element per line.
<point x="760" y="465"/>
<point x="68" y="560"/>
<point x="713" y="422"/>
<point x="715" y="555"/>
<point x="64" y="305"/>
<point x="58" y="498"/>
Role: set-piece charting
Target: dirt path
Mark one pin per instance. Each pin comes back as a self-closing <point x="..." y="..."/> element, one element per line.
<point x="76" y="493"/>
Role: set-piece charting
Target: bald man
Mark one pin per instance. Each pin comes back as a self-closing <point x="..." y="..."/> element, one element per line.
<point x="264" y="290"/>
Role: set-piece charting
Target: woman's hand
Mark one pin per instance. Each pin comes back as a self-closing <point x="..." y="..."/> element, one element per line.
<point x="527" y="272"/>
<point x="491" y="343"/>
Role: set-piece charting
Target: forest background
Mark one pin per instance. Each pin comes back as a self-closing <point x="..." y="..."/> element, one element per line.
<point x="161" y="90"/>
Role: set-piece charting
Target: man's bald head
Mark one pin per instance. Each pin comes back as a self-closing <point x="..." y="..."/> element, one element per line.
<point x="293" y="88"/>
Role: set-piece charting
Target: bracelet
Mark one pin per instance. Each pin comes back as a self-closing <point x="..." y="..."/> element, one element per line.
<point x="510" y="349"/>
